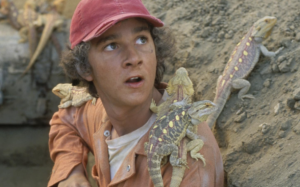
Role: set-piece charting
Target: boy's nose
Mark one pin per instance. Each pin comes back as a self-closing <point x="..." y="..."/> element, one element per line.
<point x="132" y="56"/>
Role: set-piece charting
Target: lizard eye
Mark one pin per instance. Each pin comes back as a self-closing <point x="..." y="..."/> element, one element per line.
<point x="267" y="20"/>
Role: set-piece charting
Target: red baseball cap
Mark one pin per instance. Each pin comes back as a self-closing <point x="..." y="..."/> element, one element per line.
<point x="93" y="17"/>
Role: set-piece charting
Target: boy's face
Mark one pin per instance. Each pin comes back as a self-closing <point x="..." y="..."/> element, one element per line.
<point x="123" y="62"/>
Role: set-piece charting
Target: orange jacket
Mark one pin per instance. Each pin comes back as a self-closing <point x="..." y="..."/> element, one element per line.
<point x="75" y="131"/>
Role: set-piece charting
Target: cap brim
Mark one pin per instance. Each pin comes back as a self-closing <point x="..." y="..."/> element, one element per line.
<point x="100" y="29"/>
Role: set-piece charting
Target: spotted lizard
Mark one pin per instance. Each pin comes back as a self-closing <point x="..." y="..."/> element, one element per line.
<point x="72" y="95"/>
<point x="9" y="9"/>
<point x="180" y="89"/>
<point x="52" y="20"/>
<point x="240" y="64"/>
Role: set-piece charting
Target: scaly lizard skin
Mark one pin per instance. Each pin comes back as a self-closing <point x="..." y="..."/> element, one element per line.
<point x="9" y="9"/>
<point x="72" y="95"/>
<point x="52" y="20"/>
<point x="179" y="87"/>
<point x="241" y="63"/>
<point x="169" y="130"/>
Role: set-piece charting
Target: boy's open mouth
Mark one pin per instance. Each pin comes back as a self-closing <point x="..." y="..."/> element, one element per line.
<point x="134" y="80"/>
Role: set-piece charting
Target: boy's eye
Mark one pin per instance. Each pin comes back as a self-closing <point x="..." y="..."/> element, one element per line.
<point x="111" y="47"/>
<point x="141" y="40"/>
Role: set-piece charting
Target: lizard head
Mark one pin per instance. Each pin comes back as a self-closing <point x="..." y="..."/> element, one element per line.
<point x="62" y="90"/>
<point x="263" y="27"/>
<point x="181" y="78"/>
<point x="200" y="111"/>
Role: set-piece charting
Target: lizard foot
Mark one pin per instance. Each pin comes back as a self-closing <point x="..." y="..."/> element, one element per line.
<point x="180" y="162"/>
<point x="248" y="96"/>
<point x="278" y="50"/>
<point x="199" y="156"/>
<point x="94" y="101"/>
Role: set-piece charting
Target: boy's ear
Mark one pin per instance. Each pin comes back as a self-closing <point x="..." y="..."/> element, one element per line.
<point x="87" y="76"/>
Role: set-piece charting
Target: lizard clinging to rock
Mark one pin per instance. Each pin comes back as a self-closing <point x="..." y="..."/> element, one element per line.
<point x="52" y="20"/>
<point x="174" y="117"/>
<point x="72" y="95"/>
<point x="240" y="64"/>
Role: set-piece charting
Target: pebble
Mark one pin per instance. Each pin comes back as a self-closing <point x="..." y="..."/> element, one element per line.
<point x="296" y="129"/>
<point x="267" y="83"/>
<point x="297" y="105"/>
<point x="284" y="67"/>
<point x="240" y="118"/>
<point x="281" y="134"/>
<point x="285" y="126"/>
<point x="205" y="32"/>
<point x="298" y="37"/>
<point x="296" y="94"/>
<point x="264" y="128"/>
<point x="291" y="103"/>
<point x="277" y="108"/>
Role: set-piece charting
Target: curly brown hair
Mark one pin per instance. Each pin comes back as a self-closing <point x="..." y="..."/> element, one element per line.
<point x="75" y="61"/>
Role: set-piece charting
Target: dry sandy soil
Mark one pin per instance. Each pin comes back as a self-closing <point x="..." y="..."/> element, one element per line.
<point x="258" y="137"/>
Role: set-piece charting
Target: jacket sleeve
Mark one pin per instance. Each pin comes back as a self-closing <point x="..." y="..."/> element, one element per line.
<point x="66" y="147"/>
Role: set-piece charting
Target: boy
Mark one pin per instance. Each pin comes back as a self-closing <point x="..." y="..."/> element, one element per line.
<point x="118" y="53"/>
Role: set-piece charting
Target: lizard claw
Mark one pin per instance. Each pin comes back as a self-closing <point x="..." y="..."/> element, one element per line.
<point x="276" y="52"/>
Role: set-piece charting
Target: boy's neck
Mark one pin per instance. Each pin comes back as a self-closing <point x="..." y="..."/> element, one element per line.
<point x="126" y="121"/>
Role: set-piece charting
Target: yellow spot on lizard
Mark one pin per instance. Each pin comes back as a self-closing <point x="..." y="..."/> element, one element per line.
<point x="159" y="139"/>
<point x="245" y="53"/>
<point x="155" y="127"/>
<point x="248" y="44"/>
<point x="243" y="37"/>
<point x="236" y="68"/>
<point x="233" y="52"/>
<point x="183" y="113"/>
<point x="250" y="38"/>
<point x="223" y="82"/>
<point x="150" y="136"/>
<point x="240" y="60"/>
<point x="163" y="117"/>
<point x="230" y="59"/>
<point x="177" y="117"/>
<point x="238" y="44"/>
<point x="151" y="147"/>
<point x="165" y="131"/>
<point x="175" y="101"/>
<point x="171" y="123"/>
<point x="231" y="76"/>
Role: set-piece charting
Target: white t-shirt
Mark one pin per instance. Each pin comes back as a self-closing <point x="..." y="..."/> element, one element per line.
<point x="119" y="148"/>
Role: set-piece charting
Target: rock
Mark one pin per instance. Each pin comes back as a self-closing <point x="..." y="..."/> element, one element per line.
<point x="264" y="128"/>
<point x="205" y="32"/>
<point x="217" y="21"/>
<point x="267" y="83"/>
<point x="297" y="105"/>
<point x="221" y="34"/>
<point x="277" y="108"/>
<point x="284" y="67"/>
<point x="275" y="68"/>
<point x="266" y="70"/>
<point x="281" y="59"/>
<point x="296" y="129"/>
<point x="240" y="118"/>
<point x="298" y="37"/>
<point x="229" y="34"/>
<point x="282" y="134"/>
<point x="291" y="103"/>
<point x="296" y="94"/>
<point x="286" y="125"/>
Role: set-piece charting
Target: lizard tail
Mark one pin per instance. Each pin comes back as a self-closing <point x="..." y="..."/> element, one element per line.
<point x="44" y="38"/>
<point x="32" y="40"/>
<point x="220" y="101"/>
<point x="154" y="171"/>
